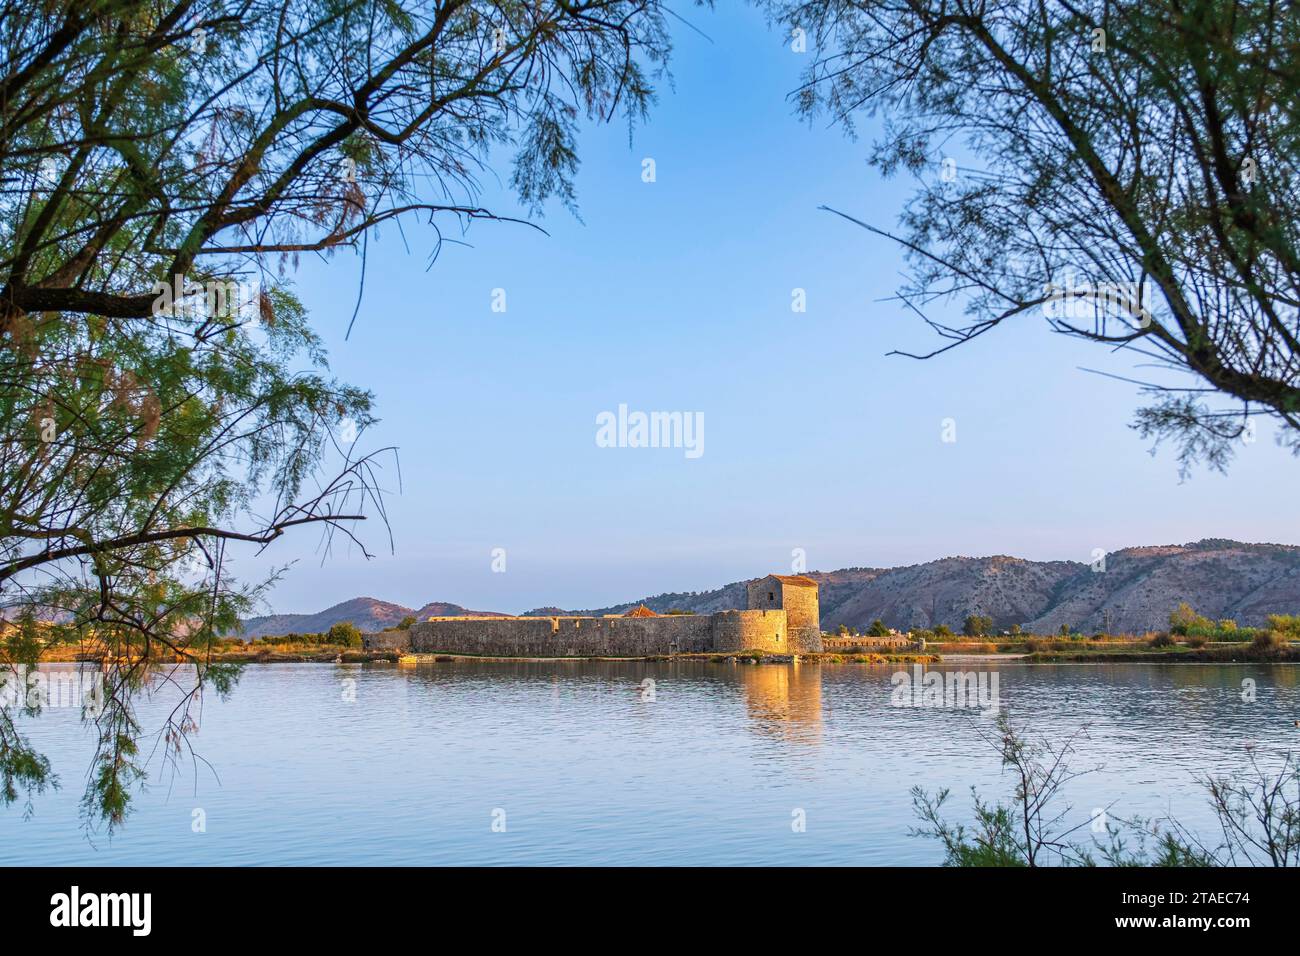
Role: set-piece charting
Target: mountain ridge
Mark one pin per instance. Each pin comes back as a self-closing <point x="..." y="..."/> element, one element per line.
<point x="367" y="613"/>
<point x="1135" y="592"/>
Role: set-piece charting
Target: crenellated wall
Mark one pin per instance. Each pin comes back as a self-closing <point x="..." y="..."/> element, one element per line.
<point x="394" y="640"/>
<point x="791" y="627"/>
<point x="565" y="636"/>
<point x="727" y="631"/>
<point x="761" y="630"/>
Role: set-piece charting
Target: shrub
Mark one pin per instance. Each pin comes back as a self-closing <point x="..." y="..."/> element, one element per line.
<point x="344" y="633"/>
<point x="943" y="630"/>
<point x="1033" y="645"/>
<point x="1286" y="626"/>
<point x="1266" y="642"/>
<point x="1162" y="640"/>
<point x="279" y="640"/>
<point x="405" y="623"/>
<point x="1197" y="640"/>
<point x="1183" y="620"/>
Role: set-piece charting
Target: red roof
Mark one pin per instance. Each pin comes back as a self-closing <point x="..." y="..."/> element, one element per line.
<point x="640" y="611"/>
<point x="798" y="580"/>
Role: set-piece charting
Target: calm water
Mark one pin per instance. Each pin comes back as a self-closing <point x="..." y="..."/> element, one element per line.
<point x="710" y="772"/>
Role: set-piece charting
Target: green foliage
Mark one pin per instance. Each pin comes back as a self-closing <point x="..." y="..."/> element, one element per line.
<point x="1183" y="620"/>
<point x="1257" y="809"/>
<point x="1163" y="159"/>
<point x="1266" y="642"/>
<point x="342" y="634"/>
<point x="1026" y="832"/>
<point x="405" y="623"/>
<point x="1033" y="828"/>
<point x="1286" y="626"/>
<point x="993" y="843"/>
<point x="345" y="634"/>
<point x="22" y="768"/>
<point x="878" y="629"/>
<point x="977" y="625"/>
<point x="281" y="640"/>
<point x="156" y="146"/>
<point x="942" y="631"/>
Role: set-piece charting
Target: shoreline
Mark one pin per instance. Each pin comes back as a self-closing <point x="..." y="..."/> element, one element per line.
<point x="336" y="656"/>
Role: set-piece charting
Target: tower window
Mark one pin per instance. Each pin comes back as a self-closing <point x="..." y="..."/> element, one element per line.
<point x="771" y="596"/>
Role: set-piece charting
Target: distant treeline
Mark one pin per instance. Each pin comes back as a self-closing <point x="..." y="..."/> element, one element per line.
<point x="342" y="634"/>
<point x="1184" y="624"/>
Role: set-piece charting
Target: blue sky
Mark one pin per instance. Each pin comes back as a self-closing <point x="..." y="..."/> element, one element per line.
<point x="676" y="296"/>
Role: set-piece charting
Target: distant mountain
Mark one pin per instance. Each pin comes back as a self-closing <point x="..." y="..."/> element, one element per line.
<point x="443" y="609"/>
<point x="1140" y="586"/>
<point x="366" y="613"/>
<point x="1135" y="592"/>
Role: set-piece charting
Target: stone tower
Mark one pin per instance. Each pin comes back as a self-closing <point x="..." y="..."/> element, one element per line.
<point x="797" y="596"/>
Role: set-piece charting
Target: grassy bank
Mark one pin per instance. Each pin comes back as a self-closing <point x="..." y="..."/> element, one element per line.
<point x="1178" y="654"/>
<point x="243" y="654"/>
<point x="1159" y="647"/>
<point x="238" y="652"/>
<point x="1059" y="650"/>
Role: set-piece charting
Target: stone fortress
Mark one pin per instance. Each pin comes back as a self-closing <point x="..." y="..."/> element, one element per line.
<point x="782" y="617"/>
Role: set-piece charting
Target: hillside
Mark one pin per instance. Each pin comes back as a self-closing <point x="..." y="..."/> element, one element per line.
<point x="1136" y="592"/>
<point x="366" y="613"/>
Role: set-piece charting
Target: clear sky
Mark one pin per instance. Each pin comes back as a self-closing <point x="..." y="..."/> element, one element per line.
<point x="676" y="296"/>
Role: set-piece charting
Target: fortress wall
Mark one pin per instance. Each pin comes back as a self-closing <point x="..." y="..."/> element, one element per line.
<point x="764" y="593"/>
<point x="805" y="640"/>
<point x="565" y="636"/>
<point x="803" y="611"/>
<point x="725" y="632"/>
<point x="761" y="630"/>
<point x="385" y="640"/>
<point x="636" y="636"/>
<point x="801" y="607"/>
<point x="507" y="636"/>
